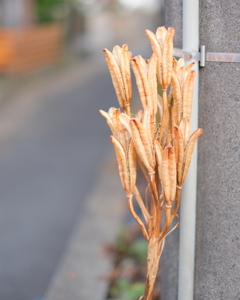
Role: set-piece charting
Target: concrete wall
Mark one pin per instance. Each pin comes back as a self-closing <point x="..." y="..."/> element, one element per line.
<point x="217" y="270"/>
<point x="217" y="266"/>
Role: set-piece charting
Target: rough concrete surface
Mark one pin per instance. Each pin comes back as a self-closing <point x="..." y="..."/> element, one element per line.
<point x="218" y="210"/>
<point x="217" y="244"/>
<point x="173" y="18"/>
<point x="79" y="275"/>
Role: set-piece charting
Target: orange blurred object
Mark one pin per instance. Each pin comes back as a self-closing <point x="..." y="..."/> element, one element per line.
<point x="23" y="50"/>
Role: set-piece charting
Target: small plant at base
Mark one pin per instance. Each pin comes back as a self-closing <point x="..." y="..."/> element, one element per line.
<point x="158" y="138"/>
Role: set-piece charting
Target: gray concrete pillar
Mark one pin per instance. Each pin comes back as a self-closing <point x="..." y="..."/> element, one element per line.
<point x="217" y="265"/>
<point x="217" y="269"/>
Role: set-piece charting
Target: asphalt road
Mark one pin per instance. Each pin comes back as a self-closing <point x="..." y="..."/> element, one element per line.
<point x="52" y="144"/>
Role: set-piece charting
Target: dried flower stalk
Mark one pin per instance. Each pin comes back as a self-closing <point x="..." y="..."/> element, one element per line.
<point x="162" y="150"/>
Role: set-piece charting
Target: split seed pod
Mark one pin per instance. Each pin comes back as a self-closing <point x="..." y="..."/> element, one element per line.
<point x="179" y="149"/>
<point x="165" y="176"/>
<point x="159" y="156"/>
<point x="162" y="46"/>
<point x="146" y="79"/>
<point x="182" y="90"/>
<point x="188" y="152"/>
<point x="187" y="95"/>
<point x="118" y="63"/>
<point x="127" y="165"/>
<point x="168" y="174"/>
<point x="119" y="131"/>
<point x="142" y="144"/>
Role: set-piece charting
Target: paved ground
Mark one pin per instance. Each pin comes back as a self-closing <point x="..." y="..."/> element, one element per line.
<point x="52" y="142"/>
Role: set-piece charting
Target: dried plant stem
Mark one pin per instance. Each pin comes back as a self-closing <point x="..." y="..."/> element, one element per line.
<point x="128" y="111"/>
<point x="136" y="217"/>
<point x="141" y="204"/>
<point x="154" y="253"/>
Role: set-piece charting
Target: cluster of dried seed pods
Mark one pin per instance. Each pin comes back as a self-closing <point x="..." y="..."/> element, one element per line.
<point x="158" y="138"/>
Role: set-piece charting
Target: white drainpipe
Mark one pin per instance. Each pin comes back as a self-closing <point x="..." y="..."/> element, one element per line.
<point x="189" y="192"/>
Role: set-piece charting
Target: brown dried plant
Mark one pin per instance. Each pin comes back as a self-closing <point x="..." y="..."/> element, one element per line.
<point x="158" y="139"/>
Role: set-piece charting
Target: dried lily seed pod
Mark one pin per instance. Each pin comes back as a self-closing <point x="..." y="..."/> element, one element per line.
<point x="125" y="119"/>
<point x="167" y="58"/>
<point x="118" y="63"/>
<point x="165" y="176"/>
<point x="177" y="99"/>
<point x="142" y="144"/>
<point x="108" y="119"/>
<point x="172" y="174"/>
<point x="126" y="74"/>
<point x="188" y="151"/>
<point x="159" y="156"/>
<point x="116" y="76"/>
<point x="179" y="142"/>
<point x="121" y="159"/>
<point x="187" y="95"/>
<point x="132" y="164"/>
<point x="146" y="123"/>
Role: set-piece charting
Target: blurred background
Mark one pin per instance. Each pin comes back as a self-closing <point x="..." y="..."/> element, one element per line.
<point x="53" y="141"/>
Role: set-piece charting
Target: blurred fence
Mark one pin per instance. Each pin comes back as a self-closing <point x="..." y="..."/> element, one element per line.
<point x="25" y="49"/>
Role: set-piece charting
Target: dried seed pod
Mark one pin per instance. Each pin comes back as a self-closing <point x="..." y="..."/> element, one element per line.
<point x="142" y="144"/>
<point x="146" y="123"/>
<point x="160" y="106"/>
<point x="159" y="156"/>
<point x="115" y="119"/>
<point x="172" y="174"/>
<point x="132" y="164"/>
<point x="108" y="119"/>
<point x="177" y="99"/>
<point x="143" y="70"/>
<point x="187" y="94"/>
<point x="152" y="80"/>
<point x="126" y="74"/>
<point x="179" y="142"/>
<point x="125" y="119"/>
<point x="121" y="159"/>
<point x="165" y="175"/>
<point x="187" y="132"/>
<point x="146" y="79"/>
<point x="118" y="64"/>
<point x="154" y="43"/>
<point x="116" y="77"/>
<point x="117" y="51"/>
<point x="111" y="110"/>
<point x="139" y="83"/>
<point x="167" y="58"/>
<point x="188" y="67"/>
<point x="161" y="35"/>
<point x="188" y="152"/>
<point x="175" y="66"/>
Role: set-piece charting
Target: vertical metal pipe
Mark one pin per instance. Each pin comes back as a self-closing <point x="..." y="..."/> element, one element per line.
<point x="189" y="193"/>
